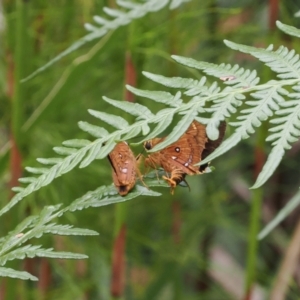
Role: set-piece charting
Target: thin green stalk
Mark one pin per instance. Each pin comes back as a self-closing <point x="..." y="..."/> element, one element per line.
<point x="255" y="216"/>
<point x="252" y="239"/>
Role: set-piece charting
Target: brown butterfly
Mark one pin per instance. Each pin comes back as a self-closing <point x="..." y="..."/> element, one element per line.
<point x="124" y="168"/>
<point x="179" y="158"/>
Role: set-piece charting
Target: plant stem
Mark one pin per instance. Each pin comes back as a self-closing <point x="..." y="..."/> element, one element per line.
<point x="252" y="240"/>
<point x="256" y="201"/>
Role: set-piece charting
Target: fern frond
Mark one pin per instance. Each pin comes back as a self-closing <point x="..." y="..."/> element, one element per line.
<point x="85" y="151"/>
<point x="36" y="226"/>
<point x="287" y="131"/>
<point x="265" y="102"/>
<point x="120" y="18"/>
<point x="284" y="62"/>
<point x="225" y="102"/>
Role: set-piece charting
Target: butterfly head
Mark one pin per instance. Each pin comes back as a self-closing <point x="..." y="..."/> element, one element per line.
<point x="148" y="145"/>
<point x="123" y="190"/>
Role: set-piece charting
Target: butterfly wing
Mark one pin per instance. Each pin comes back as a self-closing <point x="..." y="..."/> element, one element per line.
<point x="184" y="153"/>
<point x="211" y="146"/>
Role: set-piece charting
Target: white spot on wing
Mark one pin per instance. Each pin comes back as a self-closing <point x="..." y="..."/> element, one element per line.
<point x="174" y="157"/>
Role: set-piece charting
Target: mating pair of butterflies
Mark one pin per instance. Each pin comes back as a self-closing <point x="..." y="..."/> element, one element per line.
<point x="177" y="159"/>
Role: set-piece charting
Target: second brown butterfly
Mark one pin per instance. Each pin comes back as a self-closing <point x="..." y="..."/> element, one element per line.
<point x="124" y="168"/>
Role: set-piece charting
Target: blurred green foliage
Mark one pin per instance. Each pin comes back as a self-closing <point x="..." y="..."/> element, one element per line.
<point x="214" y="215"/>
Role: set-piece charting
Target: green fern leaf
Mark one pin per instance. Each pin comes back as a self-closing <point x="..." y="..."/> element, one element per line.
<point x="161" y="126"/>
<point x="68" y="230"/>
<point x="47" y="212"/>
<point x="20" y="253"/>
<point x="288" y="29"/>
<point x="222" y="108"/>
<point x="49" y="161"/>
<point x="61" y="255"/>
<point x="93" y="130"/>
<point x="260" y="109"/>
<point x="17" y="189"/>
<point x="134" y="109"/>
<point x="70" y="163"/>
<point x="35" y="251"/>
<point x="137" y="191"/>
<point x="126" y="4"/>
<point x="36" y="170"/>
<point x="98" y="152"/>
<point x="145" y="129"/>
<point x="177" y="131"/>
<point x="132" y="133"/>
<point x="114" y="13"/>
<point x="64" y="151"/>
<point x="193" y="87"/>
<point x="270" y="166"/>
<point x="7" y="272"/>
<point x="175" y="3"/>
<point x="108" y="195"/>
<point x="112" y="120"/>
<point x="158" y="96"/>
<point x="15" y="237"/>
<point x="229" y="143"/>
<point x="27" y="179"/>
<point x="173" y="82"/>
<point x="76" y="143"/>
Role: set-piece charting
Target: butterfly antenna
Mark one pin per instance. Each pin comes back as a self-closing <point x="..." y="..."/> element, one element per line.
<point x="183" y="179"/>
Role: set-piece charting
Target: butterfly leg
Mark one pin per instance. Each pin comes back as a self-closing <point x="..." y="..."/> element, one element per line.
<point x="175" y="177"/>
<point x="138" y="159"/>
<point x="149" y="163"/>
<point x="141" y="178"/>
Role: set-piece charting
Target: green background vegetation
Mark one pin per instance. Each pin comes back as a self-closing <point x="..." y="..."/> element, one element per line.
<point x="197" y="244"/>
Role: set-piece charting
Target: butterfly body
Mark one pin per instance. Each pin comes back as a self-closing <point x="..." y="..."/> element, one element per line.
<point x="179" y="158"/>
<point x="124" y="168"/>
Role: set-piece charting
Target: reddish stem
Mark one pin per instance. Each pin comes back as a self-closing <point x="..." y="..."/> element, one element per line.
<point x="118" y="264"/>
